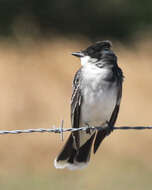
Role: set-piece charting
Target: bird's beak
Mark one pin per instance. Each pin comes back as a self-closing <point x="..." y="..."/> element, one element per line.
<point x="78" y="54"/>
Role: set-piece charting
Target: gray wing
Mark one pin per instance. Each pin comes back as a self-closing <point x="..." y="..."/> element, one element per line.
<point x="116" y="110"/>
<point x="76" y="100"/>
<point x="101" y="134"/>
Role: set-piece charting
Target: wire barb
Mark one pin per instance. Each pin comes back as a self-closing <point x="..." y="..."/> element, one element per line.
<point x="61" y="129"/>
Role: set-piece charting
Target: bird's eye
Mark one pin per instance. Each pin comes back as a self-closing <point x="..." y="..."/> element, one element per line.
<point x="91" y="51"/>
<point x="106" y="48"/>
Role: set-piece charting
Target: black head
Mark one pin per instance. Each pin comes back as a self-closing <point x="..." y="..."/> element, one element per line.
<point x="96" y="50"/>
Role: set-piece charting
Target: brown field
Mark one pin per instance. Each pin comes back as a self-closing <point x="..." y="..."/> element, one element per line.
<point x="35" y="80"/>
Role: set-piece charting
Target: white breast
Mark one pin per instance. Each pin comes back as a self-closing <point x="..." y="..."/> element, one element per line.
<point x="99" y="99"/>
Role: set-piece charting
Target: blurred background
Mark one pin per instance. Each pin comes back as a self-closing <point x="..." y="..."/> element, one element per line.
<point x="36" y="72"/>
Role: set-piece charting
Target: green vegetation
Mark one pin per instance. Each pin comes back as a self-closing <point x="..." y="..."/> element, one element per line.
<point x="118" y="19"/>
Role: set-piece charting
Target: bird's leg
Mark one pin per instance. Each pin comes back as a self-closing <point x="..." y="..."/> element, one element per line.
<point x="88" y="130"/>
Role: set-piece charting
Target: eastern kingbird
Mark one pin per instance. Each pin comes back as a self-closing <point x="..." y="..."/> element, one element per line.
<point x="97" y="90"/>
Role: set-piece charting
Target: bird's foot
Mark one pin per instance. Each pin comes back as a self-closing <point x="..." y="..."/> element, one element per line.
<point x="88" y="130"/>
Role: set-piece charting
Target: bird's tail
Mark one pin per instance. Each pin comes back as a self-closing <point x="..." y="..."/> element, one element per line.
<point x="76" y="152"/>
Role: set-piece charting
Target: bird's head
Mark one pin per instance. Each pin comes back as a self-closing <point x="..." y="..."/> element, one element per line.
<point x="97" y="52"/>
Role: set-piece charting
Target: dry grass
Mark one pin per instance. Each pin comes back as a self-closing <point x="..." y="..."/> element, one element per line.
<point x="35" y="80"/>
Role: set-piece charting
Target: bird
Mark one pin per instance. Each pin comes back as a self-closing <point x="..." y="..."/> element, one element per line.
<point x="95" y="101"/>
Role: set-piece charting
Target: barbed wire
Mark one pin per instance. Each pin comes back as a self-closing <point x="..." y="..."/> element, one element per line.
<point x="61" y="130"/>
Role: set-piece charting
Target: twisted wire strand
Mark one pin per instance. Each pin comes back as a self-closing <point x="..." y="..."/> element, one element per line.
<point x="61" y="130"/>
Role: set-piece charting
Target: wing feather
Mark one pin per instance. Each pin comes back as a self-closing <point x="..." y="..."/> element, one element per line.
<point x="101" y="134"/>
<point x="76" y="100"/>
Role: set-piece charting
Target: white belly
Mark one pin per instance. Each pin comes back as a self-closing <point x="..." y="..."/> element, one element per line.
<point x="99" y="99"/>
